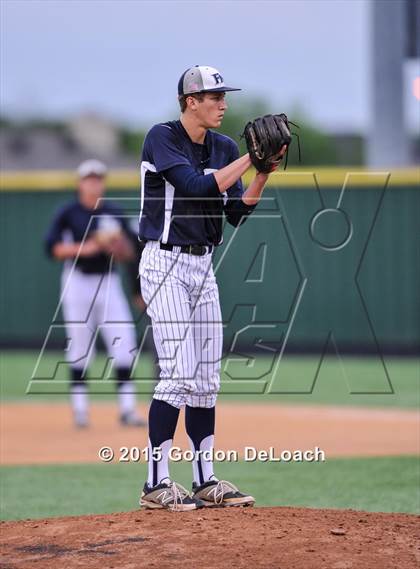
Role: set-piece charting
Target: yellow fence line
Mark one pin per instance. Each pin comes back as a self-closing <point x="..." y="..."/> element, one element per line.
<point x="50" y="180"/>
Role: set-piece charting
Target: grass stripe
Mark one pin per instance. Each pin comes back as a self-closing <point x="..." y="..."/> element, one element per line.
<point x="372" y="484"/>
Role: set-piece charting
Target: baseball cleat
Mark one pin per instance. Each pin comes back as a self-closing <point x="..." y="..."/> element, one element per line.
<point x="221" y="493"/>
<point x="81" y="420"/>
<point x="132" y="420"/>
<point x="170" y="496"/>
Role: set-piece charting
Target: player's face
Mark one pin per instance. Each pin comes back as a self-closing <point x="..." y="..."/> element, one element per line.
<point x="91" y="189"/>
<point x="211" y="109"/>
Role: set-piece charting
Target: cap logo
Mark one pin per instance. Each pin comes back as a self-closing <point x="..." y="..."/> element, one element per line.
<point x="218" y="78"/>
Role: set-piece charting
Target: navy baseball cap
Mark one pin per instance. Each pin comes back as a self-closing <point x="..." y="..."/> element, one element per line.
<point x="202" y="79"/>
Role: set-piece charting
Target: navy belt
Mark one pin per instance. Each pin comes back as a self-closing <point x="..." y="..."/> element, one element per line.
<point x="190" y="249"/>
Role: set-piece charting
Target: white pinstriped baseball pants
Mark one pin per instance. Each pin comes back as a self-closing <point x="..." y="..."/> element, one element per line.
<point x="182" y="299"/>
<point x="92" y="304"/>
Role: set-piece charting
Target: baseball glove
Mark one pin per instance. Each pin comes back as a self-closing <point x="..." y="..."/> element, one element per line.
<point x="109" y="230"/>
<point x="265" y="137"/>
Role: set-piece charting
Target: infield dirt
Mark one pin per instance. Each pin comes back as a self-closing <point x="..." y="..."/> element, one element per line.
<point x="338" y="431"/>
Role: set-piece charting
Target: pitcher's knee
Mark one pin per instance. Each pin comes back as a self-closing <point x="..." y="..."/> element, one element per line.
<point x="174" y="392"/>
<point x="206" y="400"/>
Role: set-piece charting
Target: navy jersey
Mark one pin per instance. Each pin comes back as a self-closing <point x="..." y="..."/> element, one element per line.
<point x="180" y="200"/>
<point x="70" y="225"/>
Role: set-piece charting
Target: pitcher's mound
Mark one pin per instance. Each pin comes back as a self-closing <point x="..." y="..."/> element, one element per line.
<point x="268" y="538"/>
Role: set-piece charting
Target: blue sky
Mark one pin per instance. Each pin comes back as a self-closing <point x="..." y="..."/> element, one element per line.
<point x="124" y="58"/>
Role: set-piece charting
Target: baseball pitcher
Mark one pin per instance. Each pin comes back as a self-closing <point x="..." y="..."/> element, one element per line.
<point x="190" y="183"/>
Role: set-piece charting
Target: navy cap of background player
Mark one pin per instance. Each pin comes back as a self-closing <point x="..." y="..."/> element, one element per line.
<point x="202" y="79"/>
<point x="92" y="168"/>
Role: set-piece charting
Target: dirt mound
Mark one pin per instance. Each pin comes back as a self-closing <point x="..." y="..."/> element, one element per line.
<point x="262" y="538"/>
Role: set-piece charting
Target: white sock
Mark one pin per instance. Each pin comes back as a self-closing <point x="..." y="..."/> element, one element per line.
<point x="206" y="444"/>
<point x="79" y="400"/>
<point x="127" y="398"/>
<point x="161" y="465"/>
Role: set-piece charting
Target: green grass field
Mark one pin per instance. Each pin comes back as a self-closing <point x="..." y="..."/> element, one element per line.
<point x="337" y="383"/>
<point x="373" y="484"/>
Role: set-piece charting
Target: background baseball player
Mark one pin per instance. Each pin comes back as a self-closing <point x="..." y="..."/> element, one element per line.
<point x="89" y="235"/>
<point x="191" y="180"/>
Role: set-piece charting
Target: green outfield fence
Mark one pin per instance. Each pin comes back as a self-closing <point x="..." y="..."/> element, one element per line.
<point x="311" y="263"/>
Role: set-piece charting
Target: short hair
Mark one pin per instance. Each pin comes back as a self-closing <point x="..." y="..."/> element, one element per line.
<point x="182" y="99"/>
